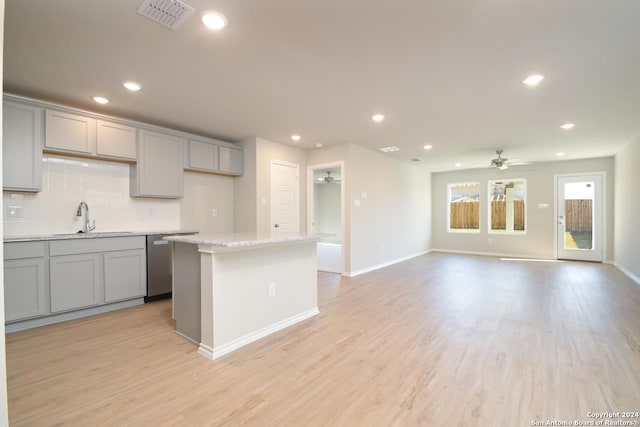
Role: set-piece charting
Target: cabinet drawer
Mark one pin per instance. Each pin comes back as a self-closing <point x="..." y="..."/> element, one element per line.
<point x="20" y="250"/>
<point x="106" y="244"/>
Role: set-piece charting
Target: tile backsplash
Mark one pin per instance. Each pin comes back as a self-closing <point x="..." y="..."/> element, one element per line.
<point x="103" y="185"/>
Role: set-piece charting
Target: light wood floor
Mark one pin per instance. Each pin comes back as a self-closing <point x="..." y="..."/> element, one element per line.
<point x="440" y="340"/>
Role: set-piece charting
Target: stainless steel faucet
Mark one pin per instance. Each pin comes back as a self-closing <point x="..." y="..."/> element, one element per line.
<point x="87" y="228"/>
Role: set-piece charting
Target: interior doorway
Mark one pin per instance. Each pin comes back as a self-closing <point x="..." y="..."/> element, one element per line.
<point x="580" y="217"/>
<point x="325" y="213"/>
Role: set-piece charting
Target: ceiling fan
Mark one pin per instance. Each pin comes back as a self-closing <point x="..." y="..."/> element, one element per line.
<point x="329" y="179"/>
<point x="500" y="162"/>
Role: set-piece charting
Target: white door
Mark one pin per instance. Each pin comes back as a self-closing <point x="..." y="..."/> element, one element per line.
<point x="580" y="222"/>
<point x="285" y="206"/>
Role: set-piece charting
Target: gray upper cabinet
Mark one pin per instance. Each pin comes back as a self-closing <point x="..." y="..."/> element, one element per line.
<point x="231" y="161"/>
<point x="159" y="170"/>
<point x="22" y="147"/>
<point x="202" y="156"/>
<point x="115" y="140"/>
<point x="72" y="133"/>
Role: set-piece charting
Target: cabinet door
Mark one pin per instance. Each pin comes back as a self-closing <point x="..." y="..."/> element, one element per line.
<point x="75" y="281"/>
<point x="203" y="156"/>
<point x="159" y="170"/>
<point x="70" y="132"/>
<point x="22" y="147"/>
<point x="231" y="161"/>
<point x="24" y="289"/>
<point x="116" y="140"/>
<point x="124" y="275"/>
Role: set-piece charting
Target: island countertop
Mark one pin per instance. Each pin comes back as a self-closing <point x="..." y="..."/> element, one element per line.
<point x="247" y="239"/>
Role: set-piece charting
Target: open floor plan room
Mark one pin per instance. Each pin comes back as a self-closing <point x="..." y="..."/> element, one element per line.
<point x="439" y="340"/>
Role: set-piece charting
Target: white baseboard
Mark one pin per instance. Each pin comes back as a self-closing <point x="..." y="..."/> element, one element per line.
<point x="626" y="271"/>
<point x="214" y="353"/>
<point x="384" y="264"/>
<point x="493" y="254"/>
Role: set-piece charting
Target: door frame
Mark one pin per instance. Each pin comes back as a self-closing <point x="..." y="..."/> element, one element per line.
<point x="271" y="192"/>
<point x="310" y="204"/>
<point x="603" y="202"/>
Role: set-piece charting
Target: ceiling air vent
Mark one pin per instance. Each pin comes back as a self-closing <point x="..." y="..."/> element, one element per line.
<point x="416" y="159"/>
<point x="170" y="13"/>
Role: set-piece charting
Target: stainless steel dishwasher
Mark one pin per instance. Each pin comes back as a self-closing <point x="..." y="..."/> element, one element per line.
<point x="159" y="268"/>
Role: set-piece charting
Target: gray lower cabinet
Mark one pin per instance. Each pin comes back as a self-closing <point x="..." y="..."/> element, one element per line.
<point x="124" y="275"/>
<point x="25" y="280"/>
<point x="75" y="281"/>
<point x="56" y="279"/>
<point x="24" y="288"/>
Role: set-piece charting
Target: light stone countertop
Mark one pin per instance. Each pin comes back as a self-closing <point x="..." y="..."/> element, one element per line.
<point x="93" y="235"/>
<point x="247" y="239"/>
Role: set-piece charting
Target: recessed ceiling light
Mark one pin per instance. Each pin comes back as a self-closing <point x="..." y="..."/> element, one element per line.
<point x="132" y="86"/>
<point x="533" y="80"/>
<point x="389" y="149"/>
<point x="428" y="147"/>
<point x="214" y="20"/>
<point x="560" y="154"/>
<point x="100" y="99"/>
<point x="458" y="165"/>
<point x="377" y="117"/>
<point x="319" y="145"/>
<point x="567" y="126"/>
<point x="296" y="137"/>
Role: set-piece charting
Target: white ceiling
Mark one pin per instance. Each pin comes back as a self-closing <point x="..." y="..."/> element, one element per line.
<point x="446" y="72"/>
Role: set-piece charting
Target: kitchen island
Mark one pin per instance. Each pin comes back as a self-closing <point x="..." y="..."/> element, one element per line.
<point x="232" y="289"/>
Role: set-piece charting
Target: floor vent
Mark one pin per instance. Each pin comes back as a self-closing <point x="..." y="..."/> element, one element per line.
<point x="170" y="13"/>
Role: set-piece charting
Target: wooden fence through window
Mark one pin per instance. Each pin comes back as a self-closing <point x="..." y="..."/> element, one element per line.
<point x="578" y="215"/>
<point x="465" y="214"/>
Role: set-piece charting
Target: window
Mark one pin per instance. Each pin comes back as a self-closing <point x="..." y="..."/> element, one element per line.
<point x="464" y="208"/>
<point x="507" y="206"/>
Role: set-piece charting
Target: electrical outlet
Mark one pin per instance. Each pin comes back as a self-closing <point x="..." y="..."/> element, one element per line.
<point x="214" y="212"/>
<point x="15" y="212"/>
<point x="271" y="292"/>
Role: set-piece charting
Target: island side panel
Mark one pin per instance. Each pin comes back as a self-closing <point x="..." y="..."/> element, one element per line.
<point x="242" y="308"/>
<point x="186" y="290"/>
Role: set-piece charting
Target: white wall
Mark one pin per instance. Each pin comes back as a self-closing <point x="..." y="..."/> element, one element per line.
<point x="327" y="209"/>
<point x="103" y="185"/>
<point x="394" y="221"/>
<point x="202" y="193"/>
<point x="267" y="151"/>
<point x="253" y="190"/>
<point x="627" y="207"/>
<point x="539" y="238"/>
